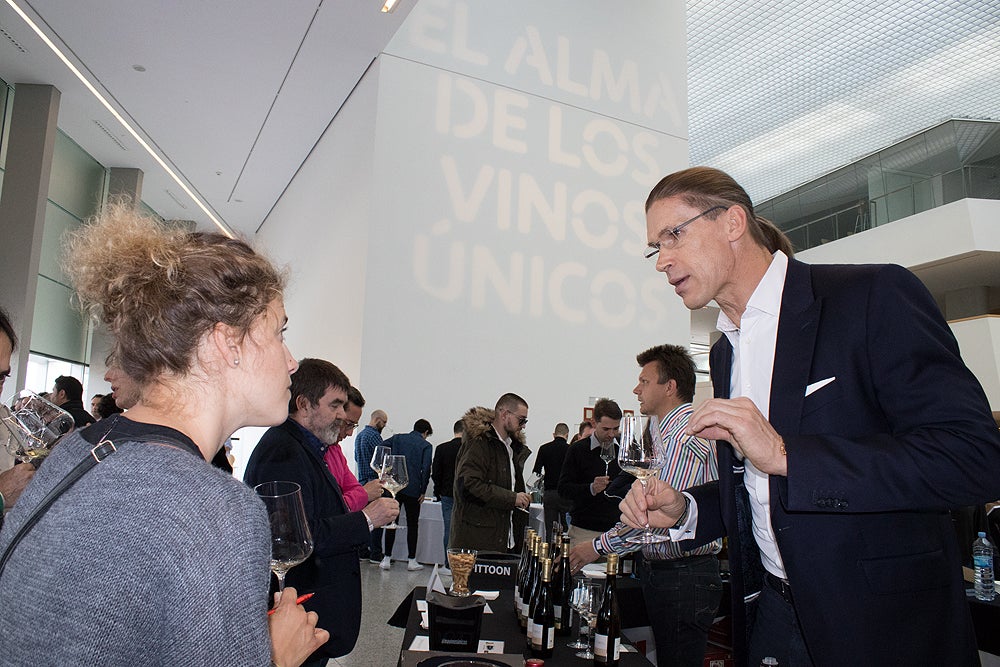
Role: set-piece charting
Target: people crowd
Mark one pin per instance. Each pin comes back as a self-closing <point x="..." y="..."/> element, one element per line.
<point x="843" y="429"/>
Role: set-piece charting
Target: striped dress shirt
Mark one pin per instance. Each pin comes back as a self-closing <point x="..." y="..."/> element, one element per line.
<point x="690" y="461"/>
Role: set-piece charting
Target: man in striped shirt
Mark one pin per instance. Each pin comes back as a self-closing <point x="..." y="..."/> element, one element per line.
<point x="682" y="589"/>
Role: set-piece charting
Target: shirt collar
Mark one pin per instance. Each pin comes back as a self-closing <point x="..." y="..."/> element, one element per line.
<point x="507" y="441"/>
<point x="766" y="297"/>
<point x="311" y="440"/>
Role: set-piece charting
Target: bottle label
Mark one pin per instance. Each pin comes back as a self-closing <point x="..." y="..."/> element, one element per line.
<point x="549" y="638"/>
<point x="606" y="651"/>
<point x="534" y="633"/>
<point x="983" y="560"/>
<point x="558" y="611"/>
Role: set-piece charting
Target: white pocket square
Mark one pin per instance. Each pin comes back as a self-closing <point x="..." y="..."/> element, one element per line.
<point x="815" y="386"/>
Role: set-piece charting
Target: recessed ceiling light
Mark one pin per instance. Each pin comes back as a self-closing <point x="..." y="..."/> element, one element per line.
<point x="138" y="68"/>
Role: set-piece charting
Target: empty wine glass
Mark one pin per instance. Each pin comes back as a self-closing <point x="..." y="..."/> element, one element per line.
<point x="642" y="454"/>
<point x="586" y="599"/>
<point x="32" y="426"/>
<point x="291" y="541"/>
<point x="579" y="597"/>
<point x="393" y="479"/>
<point x="378" y="458"/>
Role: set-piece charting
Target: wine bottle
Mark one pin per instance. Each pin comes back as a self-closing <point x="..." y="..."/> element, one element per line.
<point x="519" y="573"/>
<point x="543" y="630"/>
<point x="543" y="554"/>
<point x="529" y="579"/>
<point x="608" y="633"/>
<point x="561" y="592"/>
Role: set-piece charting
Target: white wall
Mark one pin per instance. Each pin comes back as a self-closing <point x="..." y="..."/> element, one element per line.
<point x="473" y="222"/>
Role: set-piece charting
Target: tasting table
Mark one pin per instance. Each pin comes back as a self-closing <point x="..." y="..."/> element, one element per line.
<point x="502" y="625"/>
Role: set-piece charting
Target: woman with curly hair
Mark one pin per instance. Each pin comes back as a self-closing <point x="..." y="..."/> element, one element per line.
<point x="154" y="557"/>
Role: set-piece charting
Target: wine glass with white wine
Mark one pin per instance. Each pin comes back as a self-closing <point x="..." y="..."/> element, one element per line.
<point x="394" y="479"/>
<point x="291" y="541"/>
<point x="642" y="454"/>
<point x="607" y="455"/>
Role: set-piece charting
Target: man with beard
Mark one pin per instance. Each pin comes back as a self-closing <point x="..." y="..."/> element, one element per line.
<point x="294" y="452"/>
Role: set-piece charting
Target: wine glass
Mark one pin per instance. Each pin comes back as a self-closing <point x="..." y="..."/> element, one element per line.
<point x="579" y="597"/>
<point x="32" y="425"/>
<point x="607" y="455"/>
<point x="641" y="454"/>
<point x="291" y="541"/>
<point x="378" y="458"/>
<point x="586" y="599"/>
<point x="393" y="479"/>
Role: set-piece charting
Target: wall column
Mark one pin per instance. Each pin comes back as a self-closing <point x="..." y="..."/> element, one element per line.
<point x="22" y="208"/>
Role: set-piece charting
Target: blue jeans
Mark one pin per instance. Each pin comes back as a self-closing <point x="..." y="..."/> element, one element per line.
<point x="776" y="632"/>
<point x="447" y="502"/>
<point x="681" y="601"/>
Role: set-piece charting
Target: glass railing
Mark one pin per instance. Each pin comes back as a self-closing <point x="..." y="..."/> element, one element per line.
<point x="978" y="182"/>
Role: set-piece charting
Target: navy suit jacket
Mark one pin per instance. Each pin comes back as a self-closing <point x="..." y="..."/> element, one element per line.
<point x="332" y="572"/>
<point x="875" y="460"/>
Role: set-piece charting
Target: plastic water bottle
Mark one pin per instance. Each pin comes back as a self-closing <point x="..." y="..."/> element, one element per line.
<point x="982" y="561"/>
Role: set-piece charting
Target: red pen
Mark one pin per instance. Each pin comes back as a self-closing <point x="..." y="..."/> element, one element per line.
<point x="298" y="600"/>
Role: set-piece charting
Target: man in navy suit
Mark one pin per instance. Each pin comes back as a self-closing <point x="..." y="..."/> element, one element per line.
<point x="847" y="427"/>
<point x="294" y="452"/>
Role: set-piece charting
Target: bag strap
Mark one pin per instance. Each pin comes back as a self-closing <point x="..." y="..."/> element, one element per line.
<point x="100" y="452"/>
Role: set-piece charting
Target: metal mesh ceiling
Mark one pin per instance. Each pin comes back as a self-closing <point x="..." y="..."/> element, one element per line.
<point x="783" y="91"/>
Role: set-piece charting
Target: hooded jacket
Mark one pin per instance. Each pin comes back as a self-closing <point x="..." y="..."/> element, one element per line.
<point x="484" y="501"/>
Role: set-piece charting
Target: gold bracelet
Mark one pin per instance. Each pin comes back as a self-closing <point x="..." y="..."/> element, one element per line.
<point x="781" y="446"/>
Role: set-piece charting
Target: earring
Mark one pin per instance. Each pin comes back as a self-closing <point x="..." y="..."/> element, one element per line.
<point x="236" y="362"/>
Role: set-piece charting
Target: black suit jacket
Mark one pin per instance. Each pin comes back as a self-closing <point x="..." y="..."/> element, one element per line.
<point x="332" y="572"/>
<point x="875" y="460"/>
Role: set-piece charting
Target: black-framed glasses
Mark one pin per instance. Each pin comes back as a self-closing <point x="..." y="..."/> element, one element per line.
<point x="669" y="237"/>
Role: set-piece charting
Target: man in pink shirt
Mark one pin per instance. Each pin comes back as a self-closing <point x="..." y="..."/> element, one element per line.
<point x="355" y="495"/>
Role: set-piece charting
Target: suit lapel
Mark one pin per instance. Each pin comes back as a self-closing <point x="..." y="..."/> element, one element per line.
<point x="318" y="460"/>
<point x="798" y="323"/>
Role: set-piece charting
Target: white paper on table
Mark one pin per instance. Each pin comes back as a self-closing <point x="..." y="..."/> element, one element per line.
<point x="421" y="643"/>
<point x="489" y="595"/>
<point x="421" y="605"/>
<point x="487" y="610"/>
<point x="435" y="583"/>
<point x="490" y="646"/>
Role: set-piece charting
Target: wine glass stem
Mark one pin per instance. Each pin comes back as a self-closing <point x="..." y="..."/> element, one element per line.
<point x="281" y="580"/>
<point x="647" y="532"/>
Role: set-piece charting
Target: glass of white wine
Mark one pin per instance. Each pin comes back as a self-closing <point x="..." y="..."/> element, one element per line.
<point x="608" y="455"/>
<point x="642" y="454"/>
<point x="394" y="479"/>
<point x="32" y="426"/>
<point x="291" y="541"/>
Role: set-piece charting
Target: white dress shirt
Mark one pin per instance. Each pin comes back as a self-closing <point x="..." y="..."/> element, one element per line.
<point x="753" y="344"/>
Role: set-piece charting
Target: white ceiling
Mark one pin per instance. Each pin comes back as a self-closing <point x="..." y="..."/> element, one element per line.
<point x="235" y="93"/>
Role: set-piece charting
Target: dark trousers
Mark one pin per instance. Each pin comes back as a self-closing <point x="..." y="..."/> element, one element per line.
<point x="555" y="509"/>
<point x="776" y="632"/>
<point x="682" y="598"/>
<point x="447" y="504"/>
<point x="411" y="505"/>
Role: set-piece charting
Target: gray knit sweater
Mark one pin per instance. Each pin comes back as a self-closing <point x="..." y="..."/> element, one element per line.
<point x="154" y="557"/>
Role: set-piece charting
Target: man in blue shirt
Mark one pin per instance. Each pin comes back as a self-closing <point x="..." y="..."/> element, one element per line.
<point x="365" y="443"/>
<point x="417" y="450"/>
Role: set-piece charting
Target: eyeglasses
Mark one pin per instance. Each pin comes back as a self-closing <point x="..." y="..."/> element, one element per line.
<point x="350" y="426"/>
<point x="521" y="421"/>
<point x="669" y="237"/>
